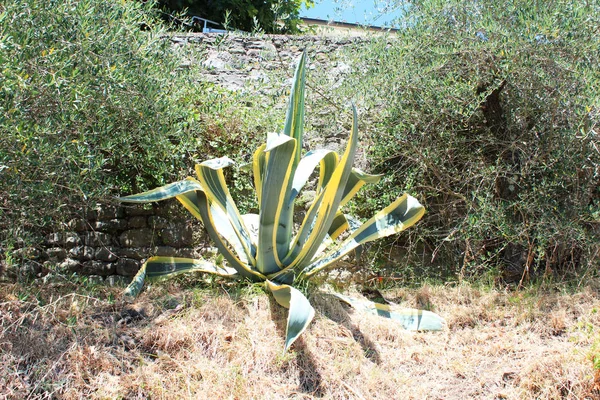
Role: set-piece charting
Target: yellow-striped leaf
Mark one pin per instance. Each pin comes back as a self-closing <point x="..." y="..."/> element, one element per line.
<point x="275" y="228"/>
<point x="164" y="192"/>
<point x="338" y="226"/>
<point x="398" y="216"/>
<point x="300" y="312"/>
<point x="327" y="161"/>
<point x="259" y="163"/>
<point x="210" y="175"/>
<point x="319" y="217"/>
<point x="357" y="179"/>
<point x="216" y="225"/>
<point x="409" y="318"/>
<point x="294" y="120"/>
<point x="156" y="268"/>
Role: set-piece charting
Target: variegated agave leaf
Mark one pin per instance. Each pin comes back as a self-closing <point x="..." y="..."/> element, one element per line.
<point x="300" y="312"/>
<point x="409" y="318"/>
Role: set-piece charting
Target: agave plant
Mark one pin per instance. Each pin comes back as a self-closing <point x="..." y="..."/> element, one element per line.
<point x="264" y="247"/>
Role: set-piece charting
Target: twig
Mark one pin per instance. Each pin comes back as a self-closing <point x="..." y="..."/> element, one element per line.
<point x="353" y="391"/>
<point x="49" y="370"/>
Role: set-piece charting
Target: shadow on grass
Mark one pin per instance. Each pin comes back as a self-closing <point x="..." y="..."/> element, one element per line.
<point x="310" y="380"/>
<point x="333" y="309"/>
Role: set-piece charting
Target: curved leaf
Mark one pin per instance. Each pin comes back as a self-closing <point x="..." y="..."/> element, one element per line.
<point x="300" y="312"/>
<point x="218" y="227"/>
<point x="409" y="318"/>
<point x="275" y="226"/>
<point x="338" y="225"/>
<point x="357" y="179"/>
<point x="327" y="161"/>
<point x="321" y="214"/>
<point x="164" y="192"/>
<point x="165" y="267"/>
<point x="220" y="222"/>
<point x="398" y="216"/>
<point x="210" y="174"/>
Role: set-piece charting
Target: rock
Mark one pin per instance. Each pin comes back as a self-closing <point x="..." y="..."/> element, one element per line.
<point x="95" y="279"/>
<point x="60" y="238"/>
<point x="136" y="253"/>
<point x="259" y="76"/>
<point x="107" y="212"/>
<point x="72" y="239"/>
<point x="178" y="236"/>
<point x="157" y="222"/>
<point x="30" y="269"/>
<point x="27" y="253"/>
<point x="8" y="272"/>
<point x="52" y="278"/>
<point x="82" y="253"/>
<point x="91" y="215"/>
<point x="78" y="225"/>
<point x="164" y="251"/>
<point x="254" y="53"/>
<point x="97" y="268"/>
<point x="108" y="254"/>
<point x="112" y="225"/>
<point x="127" y="266"/>
<point x="143" y="237"/>
<point x="232" y="82"/>
<point x="56" y="253"/>
<point x="137" y="222"/>
<point x="139" y="210"/>
<point x="186" y="252"/>
<point x="69" y="266"/>
<point x="217" y="60"/>
<point x="97" y="239"/>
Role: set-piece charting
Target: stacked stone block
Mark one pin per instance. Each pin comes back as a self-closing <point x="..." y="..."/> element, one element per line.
<point x="111" y="243"/>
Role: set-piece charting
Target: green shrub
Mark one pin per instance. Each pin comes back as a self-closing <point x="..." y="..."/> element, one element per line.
<point x="489" y="110"/>
<point x="93" y="102"/>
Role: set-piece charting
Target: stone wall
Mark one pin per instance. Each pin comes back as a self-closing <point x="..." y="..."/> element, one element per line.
<point x="109" y="243"/>
<point x="236" y="61"/>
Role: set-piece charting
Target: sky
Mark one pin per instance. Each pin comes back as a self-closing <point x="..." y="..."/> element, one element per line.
<point x="354" y="11"/>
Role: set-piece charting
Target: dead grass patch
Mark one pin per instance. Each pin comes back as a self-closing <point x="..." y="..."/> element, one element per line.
<point x="190" y="343"/>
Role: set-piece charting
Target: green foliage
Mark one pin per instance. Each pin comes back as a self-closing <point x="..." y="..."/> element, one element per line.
<point x="93" y="101"/>
<point x="273" y="16"/>
<point x="491" y="112"/>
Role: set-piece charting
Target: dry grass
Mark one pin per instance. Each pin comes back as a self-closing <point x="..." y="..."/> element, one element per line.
<point x="216" y="344"/>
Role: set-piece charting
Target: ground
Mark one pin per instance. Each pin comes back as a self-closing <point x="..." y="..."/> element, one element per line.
<point x="72" y="340"/>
